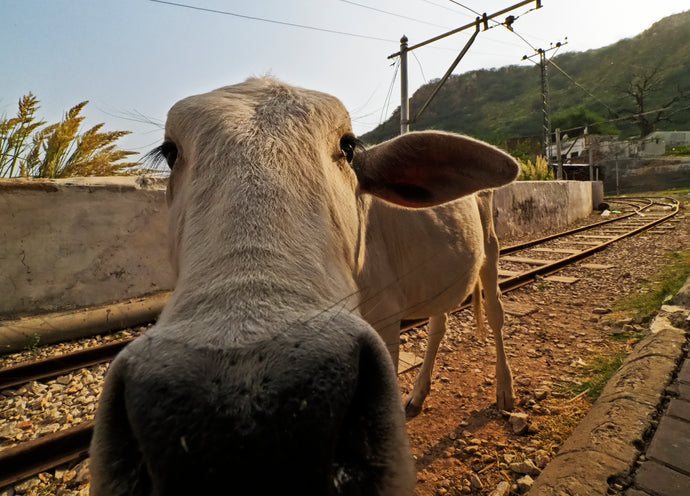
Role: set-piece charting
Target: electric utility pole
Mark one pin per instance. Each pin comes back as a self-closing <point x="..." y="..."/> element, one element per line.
<point x="546" y="115"/>
<point x="405" y="120"/>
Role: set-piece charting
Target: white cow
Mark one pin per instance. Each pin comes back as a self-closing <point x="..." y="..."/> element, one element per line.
<point x="261" y="377"/>
<point x="426" y="262"/>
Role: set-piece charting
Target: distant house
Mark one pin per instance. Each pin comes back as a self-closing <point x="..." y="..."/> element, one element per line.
<point x="603" y="147"/>
<point x="659" y="143"/>
<point x="576" y="150"/>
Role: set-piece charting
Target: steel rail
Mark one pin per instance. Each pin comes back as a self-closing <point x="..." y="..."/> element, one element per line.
<point x="548" y="269"/>
<point x="38" y="455"/>
<point x="51" y="367"/>
<point x="35" y="456"/>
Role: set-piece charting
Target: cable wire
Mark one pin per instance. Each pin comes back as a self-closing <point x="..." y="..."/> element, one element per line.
<point x="611" y="111"/>
<point x="273" y="21"/>
<point x="393" y="14"/>
<point x="442" y="6"/>
<point x="386" y="103"/>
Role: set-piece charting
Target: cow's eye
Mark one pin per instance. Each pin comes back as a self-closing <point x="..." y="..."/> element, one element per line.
<point x="348" y="143"/>
<point x="169" y="151"/>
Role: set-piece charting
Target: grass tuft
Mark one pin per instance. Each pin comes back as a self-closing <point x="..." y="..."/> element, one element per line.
<point x="644" y="304"/>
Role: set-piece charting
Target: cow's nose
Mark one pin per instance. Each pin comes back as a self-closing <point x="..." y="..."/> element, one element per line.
<point x="316" y="412"/>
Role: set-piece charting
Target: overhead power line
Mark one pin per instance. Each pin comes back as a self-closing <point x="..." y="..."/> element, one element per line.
<point x="393" y="14"/>
<point x="273" y="21"/>
<point x="611" y="111"/>
<point x="508" y="23"/>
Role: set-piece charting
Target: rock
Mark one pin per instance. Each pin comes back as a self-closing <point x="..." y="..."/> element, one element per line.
<point x="82" y="473"/>
<point x="28" y="486"/>
<point x="541" y="393"/>
<point x="68" y="476"/>
<point x="9" y="432"/>
<point x="541" y="458"/>
<point x="525" y="483"/>
<point x="475" y="482"/>
<point x="619" y="324"/>
<point x="601" y="311"/>
<point x="519" y="422"/>
<point x="525" y="467"/>
<point x="64" y="379"/>
<point x="524" y="381"/>
<point x="471" y="450"/>
<point x="502" y="489"/>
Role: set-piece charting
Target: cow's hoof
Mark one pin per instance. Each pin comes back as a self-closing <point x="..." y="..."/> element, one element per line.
<point x="505" y="401"/>
<point x="411" y="410"/>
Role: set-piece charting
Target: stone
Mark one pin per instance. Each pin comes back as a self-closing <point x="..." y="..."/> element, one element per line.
<point x="525" y="483"/>
<point x="525" y="467"/>
<point x="679" y="408"/>
<point x="519" y="422"/>
<point x="541" y="458"/>
<point x="28" y="486"/>
<point x="541" y="393"/>
<point x="601" y="311"/>
<point x="9" y="432"/>
<point x="659" y="479"/>
<point x="502" y="489"/>
<point x="475" y="481"/>
<point x="82" y="472"/>
<point x="671" y="443"/>
<point x="64" y="379"/>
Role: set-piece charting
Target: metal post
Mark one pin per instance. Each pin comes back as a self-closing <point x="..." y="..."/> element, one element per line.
<point x="404" y="99"/>
<point x="546" y="126"/>
<point x="559" y="161"/>
<point x="590" y="155"/>
<point x="618" y="190"/>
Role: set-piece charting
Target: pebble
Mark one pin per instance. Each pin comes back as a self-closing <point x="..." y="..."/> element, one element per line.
<point x="541" y="458"/>
<point x="525" y="483"/>
<point x="541" y="393"/>
<point x="601" y="311"/>
<point x="525" y="467"/>
<point x="502" y="489"/>
<point x="44" y="407"/>
<point x="475" y="481"/>
<point x="519" y="422"/>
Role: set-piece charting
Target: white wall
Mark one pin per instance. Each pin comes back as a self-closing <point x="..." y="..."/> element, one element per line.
<point x="80" y="242"/>
<point x="77" y="243"/>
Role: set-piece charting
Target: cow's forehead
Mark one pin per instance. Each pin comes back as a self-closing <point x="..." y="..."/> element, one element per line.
<point x="266" y="99"/>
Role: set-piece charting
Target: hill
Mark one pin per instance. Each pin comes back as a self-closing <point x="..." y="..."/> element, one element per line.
<point x="498" y="104"/>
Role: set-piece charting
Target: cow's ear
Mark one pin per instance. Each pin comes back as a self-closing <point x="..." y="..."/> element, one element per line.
<point x="424" y="169"/>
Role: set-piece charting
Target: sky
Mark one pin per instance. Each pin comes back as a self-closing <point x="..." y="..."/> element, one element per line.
<point x="133" y="59"/>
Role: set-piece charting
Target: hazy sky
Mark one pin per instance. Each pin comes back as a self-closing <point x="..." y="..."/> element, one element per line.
<point x="137" y="57"/>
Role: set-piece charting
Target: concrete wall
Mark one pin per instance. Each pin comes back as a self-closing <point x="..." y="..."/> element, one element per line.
<point x="531" y="207"/>
<point x="77" y="243"/>
<point x="80" y="242"/>
<point x="645" y="174"/>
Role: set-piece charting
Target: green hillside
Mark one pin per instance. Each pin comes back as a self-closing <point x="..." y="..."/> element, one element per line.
<point x="498" y="104"/>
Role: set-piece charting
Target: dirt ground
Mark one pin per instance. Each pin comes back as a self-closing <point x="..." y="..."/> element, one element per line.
<point x="461" y="442"/>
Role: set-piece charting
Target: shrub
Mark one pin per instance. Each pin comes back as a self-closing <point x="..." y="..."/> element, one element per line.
<point x="59" y="150"/>
<point x="539" y="171"/>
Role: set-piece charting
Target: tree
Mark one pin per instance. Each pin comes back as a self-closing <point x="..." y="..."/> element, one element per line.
<point x="643" y="87"/>
<point x="576" y="119"/>
<point x="58" y="150"/>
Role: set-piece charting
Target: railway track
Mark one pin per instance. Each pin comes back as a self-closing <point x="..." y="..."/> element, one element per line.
<point x="519" y="265"/>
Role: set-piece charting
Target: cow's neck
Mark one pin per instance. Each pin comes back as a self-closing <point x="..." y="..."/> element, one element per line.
<point x="272" y="255"/>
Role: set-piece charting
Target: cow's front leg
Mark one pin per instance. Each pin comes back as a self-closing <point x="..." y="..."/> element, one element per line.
<point x="391" y="337"/>
<point x="415" y="401"/>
